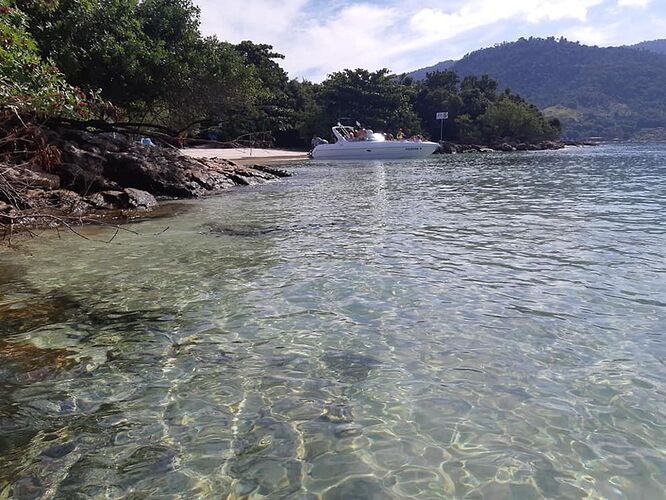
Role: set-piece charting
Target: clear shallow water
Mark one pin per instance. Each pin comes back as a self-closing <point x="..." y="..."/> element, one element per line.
<point x="468" y="326"/>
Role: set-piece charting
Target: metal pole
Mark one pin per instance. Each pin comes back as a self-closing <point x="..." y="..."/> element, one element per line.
<point x="441" y="129"/>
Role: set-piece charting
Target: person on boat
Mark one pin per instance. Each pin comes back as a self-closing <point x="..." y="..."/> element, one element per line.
<point x="400" y="135"/>
<point x="388" y="136"/>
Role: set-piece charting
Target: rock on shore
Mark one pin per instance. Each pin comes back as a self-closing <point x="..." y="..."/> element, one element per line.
<point x="106" y="171"/>
<point x="452" y="147"/>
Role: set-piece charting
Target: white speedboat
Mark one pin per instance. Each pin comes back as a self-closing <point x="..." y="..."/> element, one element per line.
<point x="373" y="147"/>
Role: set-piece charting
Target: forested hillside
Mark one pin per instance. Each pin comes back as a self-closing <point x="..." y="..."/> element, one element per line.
<point x="146" y="62"/>
<point x="420" y="74"/>
<point x="658" y="46"/>
<point x="609" y="92"/>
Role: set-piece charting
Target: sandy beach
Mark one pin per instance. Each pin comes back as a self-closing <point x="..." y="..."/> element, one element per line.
<point x="247" y="155"/>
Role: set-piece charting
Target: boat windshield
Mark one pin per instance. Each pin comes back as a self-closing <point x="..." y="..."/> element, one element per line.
<point x="346" y="133"/>
<point x="376" y="137"/>
<point x="343" y="133"/>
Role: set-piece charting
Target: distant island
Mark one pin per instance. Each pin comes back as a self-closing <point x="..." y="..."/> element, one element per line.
<point x="606" y="92"/>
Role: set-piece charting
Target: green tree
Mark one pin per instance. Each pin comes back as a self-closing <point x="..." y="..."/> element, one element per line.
<point x="147" y="57"/>
<point x="477" y="94"/>
<point x="309" y="117"/>
<point x="29" y="84"/>
<point x="375" y="99"/>
<point x="273" y="111"/>
<point x="439" y="92"/>
<point x="97" y="44"/>
<point x="513" y="118"/>
<point x="217" y="87"/>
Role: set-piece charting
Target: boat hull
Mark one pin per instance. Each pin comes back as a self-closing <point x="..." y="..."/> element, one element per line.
<point x="366" y="150"/>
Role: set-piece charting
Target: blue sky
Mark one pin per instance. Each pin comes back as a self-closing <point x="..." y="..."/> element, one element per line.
<point x="318" y="37"/>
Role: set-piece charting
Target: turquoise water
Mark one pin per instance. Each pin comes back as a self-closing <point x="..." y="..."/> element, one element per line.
<point x="478" y="326"/>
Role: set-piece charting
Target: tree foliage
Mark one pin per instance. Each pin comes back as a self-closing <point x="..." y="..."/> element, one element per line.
<point x="658" y="46"/>
<point x="272" y="110"/>
<point x="511" y="117"/>
<point x="149" y="58"/>
<point x="30" y="84"/>
<point x="373" y="98"/>
<point x="477" y="112"/>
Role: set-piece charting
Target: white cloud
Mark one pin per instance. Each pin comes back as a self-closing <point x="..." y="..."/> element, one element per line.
<point x="479" y="13"/>
<point x="250" y="19"/>
<point x="318" y="38"/>
<point x="358" y="36"/>
<point x="589" y="35"/>
<point x="633" y="3"/>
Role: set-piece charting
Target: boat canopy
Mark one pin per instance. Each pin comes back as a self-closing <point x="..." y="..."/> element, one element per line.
<point x="346" y="133"/>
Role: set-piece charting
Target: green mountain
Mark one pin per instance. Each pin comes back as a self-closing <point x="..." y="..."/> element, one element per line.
<point x="609" y="92"/>
<point x="420" y="74"/>
<point x="658" y="46"/>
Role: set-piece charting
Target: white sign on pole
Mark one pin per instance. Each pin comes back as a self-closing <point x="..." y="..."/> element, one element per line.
<point x="441" y="116"/>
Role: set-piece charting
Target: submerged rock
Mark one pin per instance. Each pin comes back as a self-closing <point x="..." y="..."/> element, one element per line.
<point x="350" y="366"/>
<point x="357" y="488"/>
<point x="242" y="231"/>
<point x="149" y="460"/>
<point x="10" y="273"/>
<point x="277" y="172"/>
<point x="27" y="315"/>
<point x="23" y="362"/>
<point x="337" y="413"/>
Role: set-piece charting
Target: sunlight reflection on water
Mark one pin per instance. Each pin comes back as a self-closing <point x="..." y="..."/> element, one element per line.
<point x="483" y="325"/>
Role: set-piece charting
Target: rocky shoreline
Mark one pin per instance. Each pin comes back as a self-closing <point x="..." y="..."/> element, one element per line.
<point x="457" y="148"/>
<point x="88" y="174"/>
<point x="76" y="174"/>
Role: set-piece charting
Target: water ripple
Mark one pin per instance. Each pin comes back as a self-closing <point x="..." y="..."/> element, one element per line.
<point x="467" y="326"/>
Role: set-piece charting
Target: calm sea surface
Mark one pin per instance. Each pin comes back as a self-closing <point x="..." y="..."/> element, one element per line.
<point x="478" y="326"/>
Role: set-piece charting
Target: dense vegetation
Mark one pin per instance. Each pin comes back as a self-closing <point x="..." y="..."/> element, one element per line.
<point x="420" y="74"/>
<point x="658" y="46"/>
<point x="73" y="57"/>
<point x="28" y="82"/>
<point x="608" y="92"/>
